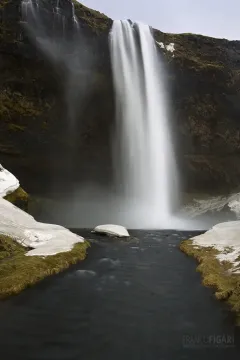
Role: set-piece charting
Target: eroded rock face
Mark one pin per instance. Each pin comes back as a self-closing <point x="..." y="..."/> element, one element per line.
<point x="39" y="101"/>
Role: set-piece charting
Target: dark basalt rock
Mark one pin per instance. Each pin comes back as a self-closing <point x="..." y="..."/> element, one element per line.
<point x="38" y="101"/>
<point x="34" y="103"/>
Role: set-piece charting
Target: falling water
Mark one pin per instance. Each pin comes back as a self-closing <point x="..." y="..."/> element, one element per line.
<point x="75" y="19"/>
<point x="59" y="18"/>
<point x="143" y="149"/>
<point x="29" y="8"/>
<point x="57" y="7"/>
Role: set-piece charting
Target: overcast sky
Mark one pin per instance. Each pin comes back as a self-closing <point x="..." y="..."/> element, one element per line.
<point x="217" y="18"/>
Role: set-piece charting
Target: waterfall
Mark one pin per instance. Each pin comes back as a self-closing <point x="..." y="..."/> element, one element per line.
<point x="29" y="8"/>
<point x="145" y="171"/>
<point x="75" y="19"/>
<point x="59" y="18"/>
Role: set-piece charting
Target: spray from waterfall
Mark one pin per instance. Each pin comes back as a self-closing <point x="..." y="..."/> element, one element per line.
<point x="146" y="171"/>
<point x="54" y="30"/>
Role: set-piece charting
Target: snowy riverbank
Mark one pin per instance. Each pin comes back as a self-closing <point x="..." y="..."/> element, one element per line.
<point x="218" y="252"/>
<point x="29" y="250"/>
<point x="44" y="239"/>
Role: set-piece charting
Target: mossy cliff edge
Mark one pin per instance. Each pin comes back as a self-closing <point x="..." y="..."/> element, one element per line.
<point x="216" y="274"/>
<point x="203" y="81"/>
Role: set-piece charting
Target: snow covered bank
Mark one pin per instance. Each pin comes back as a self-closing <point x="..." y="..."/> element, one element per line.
<point x="8" y="182"/>
<point x="20" y="268"/>
<point x="225" y="238"/>
<point x="218" y="252"/>
<point x="45" y="239"/>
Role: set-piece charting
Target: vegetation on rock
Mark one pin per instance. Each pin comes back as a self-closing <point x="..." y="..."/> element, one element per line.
<point x="18" y="271"/>
<point x="19" y="198"/>
<point x="95" y="20"/>
<point x="15" y="105"/>
<point x="216" y="274"/>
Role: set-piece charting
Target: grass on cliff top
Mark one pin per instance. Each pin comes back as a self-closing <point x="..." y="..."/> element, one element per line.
<point x="97" y="21"/>
<point x="18" y="271"/>
<point x="192" y="51"/>
<point x="216" y="274"/>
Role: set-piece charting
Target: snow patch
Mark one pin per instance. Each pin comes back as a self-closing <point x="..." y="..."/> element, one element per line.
<point x="45" y="239"/>
<point x="161" y="44"/>
<point x="169" y="47"/>
<point x="8" y="182"/>
<point x="115" y="230"/>
<point x="225" y="237"/>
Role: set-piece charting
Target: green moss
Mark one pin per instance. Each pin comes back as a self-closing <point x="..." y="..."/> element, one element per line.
<point x="14" y="104"/>
<point x="216" y="274"/>
<point x="15" y="127"/>
<point x="17" y="271"/>
<point x="3" y="3"/>
<point x="8" y="247"/>
<point x="97" y="21"/>
<point x="192" y="52"/>
<point x="19" y="198"/>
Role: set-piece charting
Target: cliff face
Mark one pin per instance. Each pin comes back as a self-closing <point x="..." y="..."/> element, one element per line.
<point x="57" y="105"/>
<point x="204" y="77"/>
<point x="55" y="93"/>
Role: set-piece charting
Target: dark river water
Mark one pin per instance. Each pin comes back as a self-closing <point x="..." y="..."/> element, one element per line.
<point x="141" y="300"/>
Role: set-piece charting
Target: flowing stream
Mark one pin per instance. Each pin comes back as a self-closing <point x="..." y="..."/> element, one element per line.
<point x="138" y="300"/>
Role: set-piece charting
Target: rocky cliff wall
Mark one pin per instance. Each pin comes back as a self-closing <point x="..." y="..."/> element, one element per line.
<point x="44" y="96"/>
<point x="56" y="96"/>
<point x="204" y="78"/>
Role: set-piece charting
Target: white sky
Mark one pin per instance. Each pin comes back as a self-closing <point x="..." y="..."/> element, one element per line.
<point x="217" y="18"/>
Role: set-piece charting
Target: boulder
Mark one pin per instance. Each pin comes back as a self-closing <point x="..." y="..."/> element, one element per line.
<point x="113" y="230"/>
